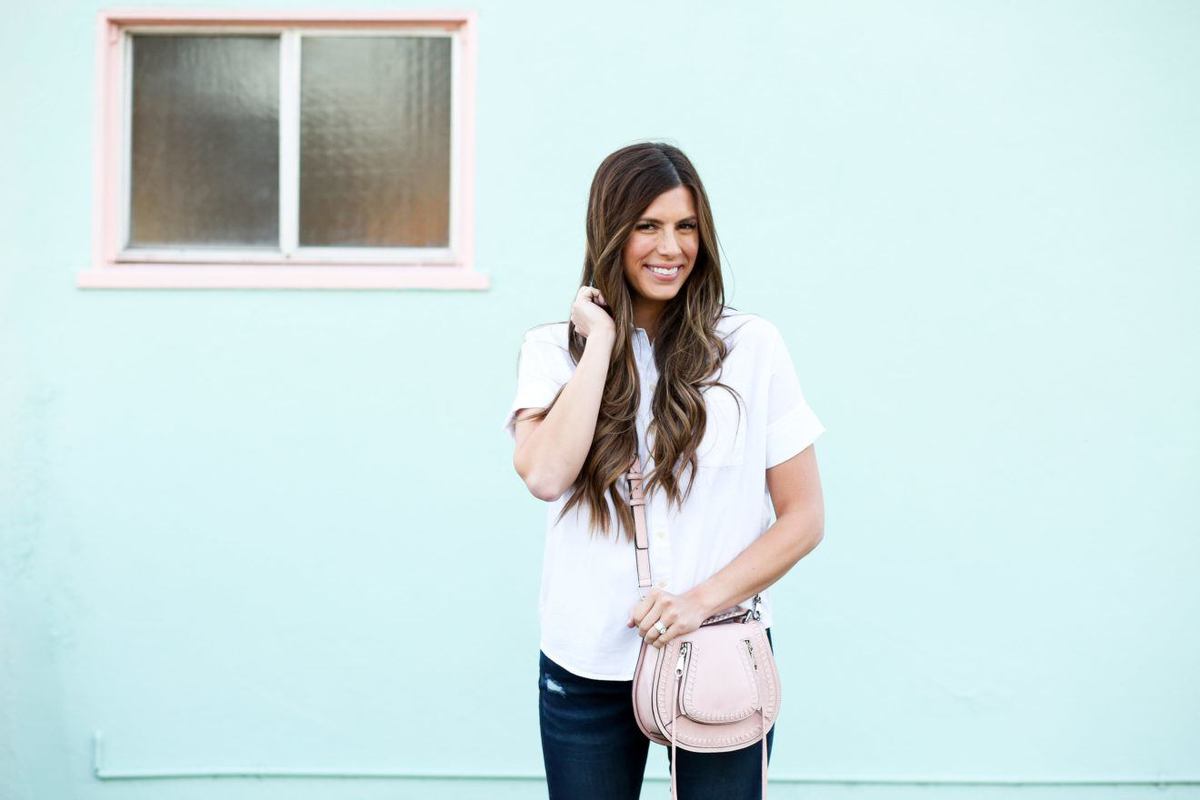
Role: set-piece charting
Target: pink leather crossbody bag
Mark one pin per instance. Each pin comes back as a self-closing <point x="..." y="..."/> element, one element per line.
<point x="712" y="690"/>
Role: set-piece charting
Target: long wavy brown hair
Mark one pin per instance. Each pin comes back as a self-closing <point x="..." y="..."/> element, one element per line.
<point x="687" y="348"/>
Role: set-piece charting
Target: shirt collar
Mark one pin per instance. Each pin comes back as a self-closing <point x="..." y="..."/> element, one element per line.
<point x="642" y="348"/>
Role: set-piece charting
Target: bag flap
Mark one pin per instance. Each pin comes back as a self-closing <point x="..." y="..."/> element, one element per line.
<point x="718" y="681"/>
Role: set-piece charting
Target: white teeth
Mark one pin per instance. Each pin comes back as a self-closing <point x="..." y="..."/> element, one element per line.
<point x="661" y="271"/>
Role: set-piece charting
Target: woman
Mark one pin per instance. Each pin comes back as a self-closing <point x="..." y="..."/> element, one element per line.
<point x="652" y="359"/>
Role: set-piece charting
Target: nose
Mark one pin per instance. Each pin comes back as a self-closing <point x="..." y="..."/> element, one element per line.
<point x="668" y="245"/>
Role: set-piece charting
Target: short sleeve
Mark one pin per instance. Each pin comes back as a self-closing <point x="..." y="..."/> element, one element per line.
<point x="543" y="366"/>
<point x="791" y="424"/>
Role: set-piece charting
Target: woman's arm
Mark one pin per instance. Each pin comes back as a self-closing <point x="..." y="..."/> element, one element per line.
<point x="795" y="487"/>
<point x="551" y="451"/>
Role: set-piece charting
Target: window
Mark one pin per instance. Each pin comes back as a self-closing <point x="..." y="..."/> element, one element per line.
<point x="249" y="150"/>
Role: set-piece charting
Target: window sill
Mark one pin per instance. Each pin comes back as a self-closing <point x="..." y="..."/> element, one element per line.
<point x="257" y="276"/>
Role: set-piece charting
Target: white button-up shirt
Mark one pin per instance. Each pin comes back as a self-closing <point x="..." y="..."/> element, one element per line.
<point x="589" y="583"/>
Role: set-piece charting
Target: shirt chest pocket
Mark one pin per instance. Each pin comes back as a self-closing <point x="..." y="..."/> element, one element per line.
<point x="724" y="440"/>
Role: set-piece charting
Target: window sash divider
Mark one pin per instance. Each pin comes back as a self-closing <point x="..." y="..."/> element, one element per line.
<point x="289" y="142"/>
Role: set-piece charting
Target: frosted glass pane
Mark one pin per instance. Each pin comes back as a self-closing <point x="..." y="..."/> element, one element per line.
<point x="375" y="141"/>
<point x="205" y="146"/>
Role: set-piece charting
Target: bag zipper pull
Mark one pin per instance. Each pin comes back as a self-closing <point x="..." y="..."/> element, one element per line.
<point x="683" y="655"/>
<point x="750" y="647"/>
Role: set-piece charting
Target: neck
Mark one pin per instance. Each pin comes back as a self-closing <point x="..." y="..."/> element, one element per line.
<point x="646" y="314"/>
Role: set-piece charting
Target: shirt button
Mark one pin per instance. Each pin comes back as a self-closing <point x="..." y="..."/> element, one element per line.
<point x="660" y="535"/>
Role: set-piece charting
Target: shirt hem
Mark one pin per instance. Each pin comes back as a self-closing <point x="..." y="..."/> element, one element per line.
<point x="596" y="676"/>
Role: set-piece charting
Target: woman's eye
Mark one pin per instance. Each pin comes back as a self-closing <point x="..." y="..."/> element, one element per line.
<point x="645" y="226"/>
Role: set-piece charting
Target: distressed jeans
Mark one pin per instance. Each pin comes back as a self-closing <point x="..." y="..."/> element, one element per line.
<point x="593" y="748"/>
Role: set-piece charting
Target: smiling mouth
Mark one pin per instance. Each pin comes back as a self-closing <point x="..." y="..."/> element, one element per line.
<point x="666" y="272"/>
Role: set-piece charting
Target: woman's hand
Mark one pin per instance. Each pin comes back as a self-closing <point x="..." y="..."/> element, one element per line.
<point x="589" y="313"/>
<point x="680" y="613"/>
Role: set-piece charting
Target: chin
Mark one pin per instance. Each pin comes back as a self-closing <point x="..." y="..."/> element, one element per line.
<point x="661" y="292"/>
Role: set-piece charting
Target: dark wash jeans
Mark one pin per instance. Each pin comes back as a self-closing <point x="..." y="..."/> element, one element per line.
<point x="594" y="750"/>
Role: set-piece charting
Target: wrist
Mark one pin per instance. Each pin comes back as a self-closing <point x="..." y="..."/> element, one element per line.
<point x="603" y="338"/>
<point x="703" y="595"/>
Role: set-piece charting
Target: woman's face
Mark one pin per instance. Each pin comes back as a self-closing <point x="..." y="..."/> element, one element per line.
<point x="666" y="235"/>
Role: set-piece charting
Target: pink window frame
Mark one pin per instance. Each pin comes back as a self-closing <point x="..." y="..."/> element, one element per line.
<point x="109" y="270"/>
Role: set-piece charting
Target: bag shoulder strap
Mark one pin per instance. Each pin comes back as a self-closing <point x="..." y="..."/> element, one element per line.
<point x="641" y="541"/>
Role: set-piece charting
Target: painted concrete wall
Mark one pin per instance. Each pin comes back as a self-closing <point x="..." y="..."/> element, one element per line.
<point x="237" y="525"/>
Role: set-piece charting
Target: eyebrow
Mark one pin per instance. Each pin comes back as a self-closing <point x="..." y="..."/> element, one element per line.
<point x="660" y="222"/>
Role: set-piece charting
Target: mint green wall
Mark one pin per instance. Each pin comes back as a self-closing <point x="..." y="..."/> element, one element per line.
<point x="238" y="524"/>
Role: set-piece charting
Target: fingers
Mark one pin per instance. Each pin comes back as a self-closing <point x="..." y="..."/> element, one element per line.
<point x="659" y="610"/>
<point x="590" y="293"/>
<point x="643" y="606"/>
<point x="654" y="615"/>
<point x="593" y="294"/>
<point x="584" y="314"/>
